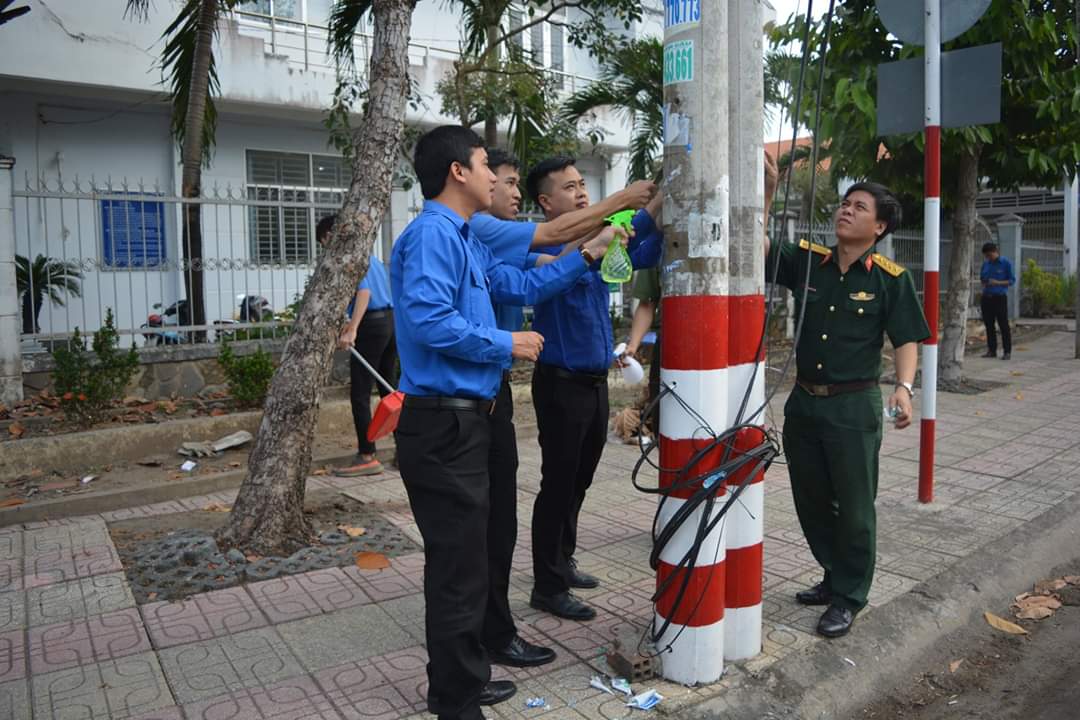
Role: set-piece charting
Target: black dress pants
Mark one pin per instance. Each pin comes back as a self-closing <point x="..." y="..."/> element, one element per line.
<point x="995" y="309"/>
<point x="572" y="420"/>
<point x="375" y="343"/>
<point x="499" y="628"/>
<point x="443" y="457"/>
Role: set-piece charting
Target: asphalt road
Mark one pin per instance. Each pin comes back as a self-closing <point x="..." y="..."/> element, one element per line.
<point x="1001" y="676"/>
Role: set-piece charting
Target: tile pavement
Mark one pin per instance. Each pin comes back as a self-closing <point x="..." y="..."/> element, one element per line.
<point x="347" y="643"/>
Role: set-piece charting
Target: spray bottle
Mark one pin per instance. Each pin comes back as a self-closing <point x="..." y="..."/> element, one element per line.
<point x="616" y="266"/>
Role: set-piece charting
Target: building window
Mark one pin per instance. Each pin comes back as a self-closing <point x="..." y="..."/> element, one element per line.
<point x="285" y="9"/>
<point x="293" y="191"/>
<point x="544" y="44"/>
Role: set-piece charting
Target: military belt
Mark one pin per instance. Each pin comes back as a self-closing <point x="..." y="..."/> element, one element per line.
<point x="818" y="390"/>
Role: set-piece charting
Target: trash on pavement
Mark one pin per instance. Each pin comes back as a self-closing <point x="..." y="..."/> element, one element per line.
<point x="188" y="465"/>
<point x="536" y="702"/>
<point x="622" y="685"/>
<point x="209" y="449"/>
<point x="646" y="700"/>
<point x="87" y="479"/>
<point x="849" y="661"/>
<point x="597" y="683"/>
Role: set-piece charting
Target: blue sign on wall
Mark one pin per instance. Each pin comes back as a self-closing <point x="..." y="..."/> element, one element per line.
<point x="133" y="233"/>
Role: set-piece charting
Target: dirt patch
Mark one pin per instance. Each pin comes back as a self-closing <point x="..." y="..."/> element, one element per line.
<point x="979" y="672"/>
<point x="167" y="557"/>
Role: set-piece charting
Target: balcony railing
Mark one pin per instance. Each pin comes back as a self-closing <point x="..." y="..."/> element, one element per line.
<point x="305" y="45"/>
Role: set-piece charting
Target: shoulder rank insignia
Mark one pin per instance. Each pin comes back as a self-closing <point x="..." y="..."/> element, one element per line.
<point x="894" y="269"/>
<point x="819" y="249"/>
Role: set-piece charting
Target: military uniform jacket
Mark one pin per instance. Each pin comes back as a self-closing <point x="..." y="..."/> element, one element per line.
<point x="847" y="314"/>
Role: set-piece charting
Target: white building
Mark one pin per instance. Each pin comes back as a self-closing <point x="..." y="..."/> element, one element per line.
<point x="83" y="114"/>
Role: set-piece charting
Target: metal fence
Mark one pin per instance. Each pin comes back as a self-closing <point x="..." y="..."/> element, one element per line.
<point x="89" y="247"/>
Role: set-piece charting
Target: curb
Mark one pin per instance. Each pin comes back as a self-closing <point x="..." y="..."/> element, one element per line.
<point x="885" y="645"/>
<point x="149" y="494"/>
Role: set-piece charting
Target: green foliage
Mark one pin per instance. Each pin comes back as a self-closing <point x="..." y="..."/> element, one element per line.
<point x="248" y="376"/>
<point x="631" y="82"/>
<point x="45" y="277"/>
<point x="1049" y="293"/>
<point x="1037" y="140"/>
<point x="87" y="384"/>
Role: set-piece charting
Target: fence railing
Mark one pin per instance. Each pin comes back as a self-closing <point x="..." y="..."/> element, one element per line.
<point x="304" y="44"/>
<point x="88" y="247"/>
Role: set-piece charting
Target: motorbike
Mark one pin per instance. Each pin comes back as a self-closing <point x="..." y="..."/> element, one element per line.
<point x="174" y="315"/>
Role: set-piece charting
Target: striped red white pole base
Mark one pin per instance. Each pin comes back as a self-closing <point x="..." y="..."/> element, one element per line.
<point x="708" y="359"/>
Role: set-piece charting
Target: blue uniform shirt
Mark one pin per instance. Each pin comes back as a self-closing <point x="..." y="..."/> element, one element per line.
<point x="508" y="241"/>
<point x="1000" y="269"/>
<point x="443" y="281"/>
<point x="576" y="325"/>
<point x="378" y="282"/>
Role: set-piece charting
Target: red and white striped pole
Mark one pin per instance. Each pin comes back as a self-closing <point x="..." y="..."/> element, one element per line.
<point x="931" y="247"/>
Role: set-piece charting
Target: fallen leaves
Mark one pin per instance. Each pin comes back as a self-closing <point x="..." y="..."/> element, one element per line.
<point x="1035" y="607"/>
<point x="1000" y="623"/>
<point x="1019" y="396"/>
<point x="11" y="502"/>
<point x="321" y="471"/>
<point x="1016" y="373"/>
<point x="217" y="507"/>
<point x="371" y="561"/>
<point x="16" y="430"/>
<point x="1045" y="587"/>
<point x="218" y="412"/>
<point x="955" y="665"/>
<point x="352" y="531"/>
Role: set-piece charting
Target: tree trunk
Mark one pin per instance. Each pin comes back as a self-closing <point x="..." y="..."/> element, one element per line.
<point x="191" y="154"/>
<point x="491" y="122"/>
<point x="958" y="298"/>
<point x="267" y="517"/>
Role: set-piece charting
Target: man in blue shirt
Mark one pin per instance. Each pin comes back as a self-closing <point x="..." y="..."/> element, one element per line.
<point x="443" y="281"/>
<point x="511" y="241"/>
<point x="570" y="392"/>
<point x="997" y="276"/>
<point x="370" y="329"/>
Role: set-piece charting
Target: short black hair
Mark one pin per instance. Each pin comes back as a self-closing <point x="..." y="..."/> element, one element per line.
<point x="989" y="247"/>
<point x="542" y="170"/>
<point x="887" y="206"/>
<point x="498" y="157"/>
<point x="437" y="150"/>
<point x="324" y="227"/>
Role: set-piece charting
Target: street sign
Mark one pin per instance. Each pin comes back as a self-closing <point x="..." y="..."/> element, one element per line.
<point x="970" y="90"/>
<point x="905" y="18"/>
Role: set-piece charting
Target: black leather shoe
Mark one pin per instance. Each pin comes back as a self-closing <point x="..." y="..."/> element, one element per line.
<point x="1006" y="356"/>
<point x="836" y="622"/>
<point x="563" y="605"/>
<point x="817" y="595"/>
<point x="989" y="354"/>
<point x="521" y="653"/>
<point x="577" y="579"/>
<point x="497" y="691"/>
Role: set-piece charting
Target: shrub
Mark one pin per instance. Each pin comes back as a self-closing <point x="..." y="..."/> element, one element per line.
<point x="88" y="383"/>
<point x="249" y="376"/>
<point x="1049" y="293"/>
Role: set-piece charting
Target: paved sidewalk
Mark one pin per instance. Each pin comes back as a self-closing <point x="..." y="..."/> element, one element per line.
<point x="347" y="643"/>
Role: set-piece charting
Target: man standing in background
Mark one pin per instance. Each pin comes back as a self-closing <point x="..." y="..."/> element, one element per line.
<point x="369" y="329"/>
<point x="997" y="277"/>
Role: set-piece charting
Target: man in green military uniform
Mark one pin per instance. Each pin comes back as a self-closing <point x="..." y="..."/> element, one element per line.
<point x="833" y="418"/>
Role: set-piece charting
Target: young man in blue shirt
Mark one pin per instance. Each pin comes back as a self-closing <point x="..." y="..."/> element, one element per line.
<point x="570" y="392"/>
<point x="370" y="329"/>
<point x="443" y="282"/>
<point x="997" y="276"/>
<point x="511" y="241"/>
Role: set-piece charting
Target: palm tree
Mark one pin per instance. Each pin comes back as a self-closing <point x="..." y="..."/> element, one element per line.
<point x="188" y="60"/>
<point x="631" y="81"/>
<point x="45" y="277"/>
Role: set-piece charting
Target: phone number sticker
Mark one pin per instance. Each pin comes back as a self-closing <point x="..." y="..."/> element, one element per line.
<point x="679" y="62"/>
<point x="681" y="12"/>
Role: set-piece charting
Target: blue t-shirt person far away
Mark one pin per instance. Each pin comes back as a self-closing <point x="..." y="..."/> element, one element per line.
<point x="1000" y="269"/>
<point x="377" y="280"/>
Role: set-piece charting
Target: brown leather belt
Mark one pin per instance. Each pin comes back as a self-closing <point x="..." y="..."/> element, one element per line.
<point x="837" y="389"/>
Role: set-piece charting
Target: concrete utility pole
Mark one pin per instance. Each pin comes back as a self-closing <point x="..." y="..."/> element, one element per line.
<point x="713" y="310"/>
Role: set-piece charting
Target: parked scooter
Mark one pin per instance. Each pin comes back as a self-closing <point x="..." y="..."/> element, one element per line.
<point x="251" y="309"/>
<point x="174" y="315"/>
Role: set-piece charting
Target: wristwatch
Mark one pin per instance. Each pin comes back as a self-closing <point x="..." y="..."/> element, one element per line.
<point x="589" y="259"/>
<point x="907" y="386"/>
